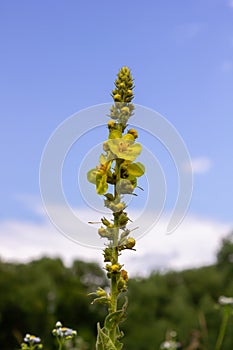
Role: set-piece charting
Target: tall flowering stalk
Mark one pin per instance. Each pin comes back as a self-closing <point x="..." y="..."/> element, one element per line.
<point x="115" y="176"/>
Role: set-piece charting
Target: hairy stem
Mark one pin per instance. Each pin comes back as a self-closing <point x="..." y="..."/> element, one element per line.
<point x="114" y="278"/>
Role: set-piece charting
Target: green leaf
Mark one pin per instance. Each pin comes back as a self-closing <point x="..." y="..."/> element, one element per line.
<point x="101" y="183"/>
<point x="91" y="176"/>
<point x="125" y="149"/>
<point x="104" y="342"/>
<point x="101" y="300"/>
<point x="113" y="319"/>
<point x="136" y="169"/>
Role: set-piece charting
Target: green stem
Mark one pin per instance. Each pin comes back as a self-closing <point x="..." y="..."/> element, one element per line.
<point x="222" y="330"/>
<point x="60" y="344"/>
<point x="114" y="277"/>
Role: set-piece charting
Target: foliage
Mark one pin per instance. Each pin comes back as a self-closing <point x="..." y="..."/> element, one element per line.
<point x="34" y="295"/>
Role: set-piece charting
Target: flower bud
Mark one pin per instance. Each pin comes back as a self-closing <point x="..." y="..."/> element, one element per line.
<point x="109" y="196"/>
<point x="111" y="124"/>
<point x="123" y="219"/>
<point x="115" y="268"/>
<point x="104" y="233"/>
<point x="124" y="275"/>
<point x="117" y="97"/>
<point x="133" y="132"/>
<point x="105" y="146"/>
<point x="125" y="186"/>
<point x="107" y="254"/>
<point x="106" y="222"/>
<point x="108" y="267"/>
<point x="121" y="285"/>
<point x="125" y="110"/>
<point x="130" y="243"/>
<point x="129" y="136"/>
<point x="101" y="292"/>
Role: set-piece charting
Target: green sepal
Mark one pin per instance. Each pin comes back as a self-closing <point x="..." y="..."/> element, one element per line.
<point x="100" y="292"/>
<point x="91" y="175"/>
<point x="136" y="169"/>
<point x="109" y="196"/>
<point x="101" y="300"/>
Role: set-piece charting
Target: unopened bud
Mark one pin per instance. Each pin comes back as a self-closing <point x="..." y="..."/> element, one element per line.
<point x="125" y="110"/>
<point x="130" y="243"/>
<point x="117" y="97"/>
<point x="133" y="132"/>
<point x="124" y="275"/>
<point x="111" y="124"/>
<point x="115" y="268"/>
<point x="123" y="219"/>
<point x="105" y="146"/>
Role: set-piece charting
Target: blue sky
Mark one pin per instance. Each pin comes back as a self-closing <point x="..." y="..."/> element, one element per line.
<point x="58" y="57"/>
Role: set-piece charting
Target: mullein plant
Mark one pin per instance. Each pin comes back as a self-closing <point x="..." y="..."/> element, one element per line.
<point x="115" y="176"/>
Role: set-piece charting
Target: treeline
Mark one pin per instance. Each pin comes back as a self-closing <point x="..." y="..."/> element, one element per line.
<point x="34" y="296"/>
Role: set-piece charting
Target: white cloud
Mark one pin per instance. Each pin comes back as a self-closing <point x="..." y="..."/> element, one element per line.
<point x="193" y="244"/>
<point x="199" y="165"/>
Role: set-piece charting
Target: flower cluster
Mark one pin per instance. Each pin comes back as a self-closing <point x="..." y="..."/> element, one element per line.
<point x="222" y="300"/>
<point x="124" y="86"/>
<point x="63" y="332"/>
<point x="171" y="343"/>
<point x="122" y="96"/>
<point x="31" y="342"/>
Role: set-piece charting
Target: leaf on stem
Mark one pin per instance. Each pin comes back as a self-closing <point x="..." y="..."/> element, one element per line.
<point x="104" y="342"/>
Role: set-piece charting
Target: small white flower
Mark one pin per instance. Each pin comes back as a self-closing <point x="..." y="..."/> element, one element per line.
<point x="63" y="332"/>
<point x="225" y="300"/>
<point x="172" y="345"/>
<point x="58" y="324"/>
<point x="31" y="339"/>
